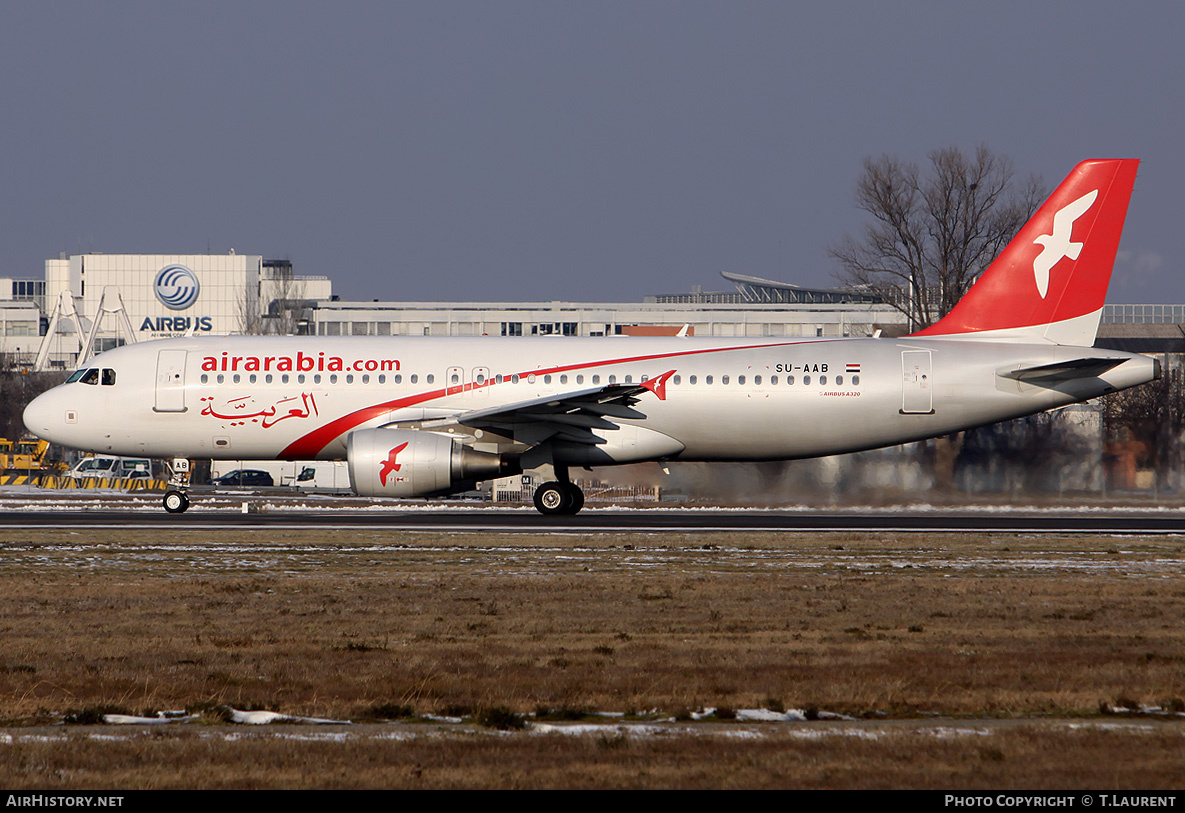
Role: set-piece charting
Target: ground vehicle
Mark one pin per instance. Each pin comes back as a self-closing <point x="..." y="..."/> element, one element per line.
<point x="244" y="477"/>
<point x="1019" y="342"/>
<point x="27" y="454"/>
<point x="320" y="475"/>
<point x="106" y="467"/>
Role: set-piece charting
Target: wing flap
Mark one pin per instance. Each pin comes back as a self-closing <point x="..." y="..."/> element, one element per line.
<point x="568" y="416"/>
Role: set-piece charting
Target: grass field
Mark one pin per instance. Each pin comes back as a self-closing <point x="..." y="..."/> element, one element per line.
<point x="890" y="629"/>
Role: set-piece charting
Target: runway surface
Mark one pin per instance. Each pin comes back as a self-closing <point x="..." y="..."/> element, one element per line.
<point x="80" y="510"/>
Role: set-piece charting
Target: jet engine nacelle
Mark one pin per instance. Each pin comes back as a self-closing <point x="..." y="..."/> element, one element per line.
<point x="409" y="463"/>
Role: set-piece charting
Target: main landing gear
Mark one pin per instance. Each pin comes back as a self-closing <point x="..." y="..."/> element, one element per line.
<point x="559" y="497"/>
<point x="176" y="500"/>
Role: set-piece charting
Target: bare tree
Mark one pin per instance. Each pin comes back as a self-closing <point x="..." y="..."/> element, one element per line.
<point x="286" y="304"/>
<point x="1148" y="423"/>
<point x="250" y="319"/>
<point x="18" y="386"/>
<point x="933" y="235"/>
<point x="274" y="305"/>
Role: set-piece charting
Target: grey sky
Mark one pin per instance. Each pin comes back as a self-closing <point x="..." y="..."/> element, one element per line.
<point x="557" y="150"/>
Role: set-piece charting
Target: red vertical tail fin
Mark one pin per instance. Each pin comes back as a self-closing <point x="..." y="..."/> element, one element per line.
<point x="1050" y="282"/>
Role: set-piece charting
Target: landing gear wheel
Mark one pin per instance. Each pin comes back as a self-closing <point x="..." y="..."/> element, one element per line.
<point x="575" y="497"/>
<point x="552" y="499"/>
<point x="176" y="501"/>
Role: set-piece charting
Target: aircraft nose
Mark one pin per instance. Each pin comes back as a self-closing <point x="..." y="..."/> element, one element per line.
<point x="39" y="415"/>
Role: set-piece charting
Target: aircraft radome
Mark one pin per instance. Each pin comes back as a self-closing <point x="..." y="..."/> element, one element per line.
<point x="421" y="416"/>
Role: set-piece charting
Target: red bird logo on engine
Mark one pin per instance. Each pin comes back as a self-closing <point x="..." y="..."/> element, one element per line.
<point x="389" y="465"/>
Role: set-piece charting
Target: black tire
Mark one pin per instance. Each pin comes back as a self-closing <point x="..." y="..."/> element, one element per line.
<point x="552" y="499"/>
<point x="175" y="501"/>
<point x="575" y="498"/>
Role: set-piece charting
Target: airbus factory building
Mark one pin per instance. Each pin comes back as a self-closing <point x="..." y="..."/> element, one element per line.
<point x="88" y="303"/>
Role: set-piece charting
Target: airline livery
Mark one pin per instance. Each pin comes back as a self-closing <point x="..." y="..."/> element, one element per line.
<point x="419" y="416"/>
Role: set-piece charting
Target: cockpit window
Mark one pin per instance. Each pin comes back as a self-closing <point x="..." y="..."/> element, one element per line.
<point x="91" y="376"/>
<point x="77" y="375"/>
<point x="108" y="378"/>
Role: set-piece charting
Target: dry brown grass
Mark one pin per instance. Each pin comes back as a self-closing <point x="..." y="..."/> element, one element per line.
<point x="1025" y="756"/>
<point x="331" y="625"/>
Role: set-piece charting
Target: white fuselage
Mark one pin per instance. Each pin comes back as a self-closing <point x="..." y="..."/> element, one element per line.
<point x="727" y="399"/>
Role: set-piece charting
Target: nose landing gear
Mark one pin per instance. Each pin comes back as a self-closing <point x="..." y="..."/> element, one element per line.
<point x="176" y="500"/>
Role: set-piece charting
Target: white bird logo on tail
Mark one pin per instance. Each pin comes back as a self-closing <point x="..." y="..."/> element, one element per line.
<point x="1058" y="245"/>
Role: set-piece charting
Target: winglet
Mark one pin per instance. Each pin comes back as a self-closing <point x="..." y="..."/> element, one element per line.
<point x="1050" y="282"/>
<point x="658" y="386"/>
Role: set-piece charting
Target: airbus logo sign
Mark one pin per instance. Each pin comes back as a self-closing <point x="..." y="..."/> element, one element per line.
<point x="176" y="287"/>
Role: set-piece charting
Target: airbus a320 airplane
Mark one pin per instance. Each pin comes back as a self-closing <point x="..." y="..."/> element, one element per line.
<point x="417" y="416"/>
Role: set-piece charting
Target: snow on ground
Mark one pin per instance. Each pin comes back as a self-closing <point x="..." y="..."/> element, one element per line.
<point x="270" y="717"/>
<point x="28" y="498"/>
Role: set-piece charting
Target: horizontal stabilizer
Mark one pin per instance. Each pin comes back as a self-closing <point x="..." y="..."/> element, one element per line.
<point x="1063" y="370"/>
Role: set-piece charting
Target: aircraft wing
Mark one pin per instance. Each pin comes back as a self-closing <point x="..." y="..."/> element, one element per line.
<point x="568" y="416"/>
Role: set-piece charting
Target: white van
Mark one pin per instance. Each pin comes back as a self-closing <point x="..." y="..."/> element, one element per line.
<point x="320" y="475"/>
<point x="111" y="468"/>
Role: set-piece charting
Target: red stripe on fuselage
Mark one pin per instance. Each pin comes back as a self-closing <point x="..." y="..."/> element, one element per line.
<point x="308" y="446"/>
